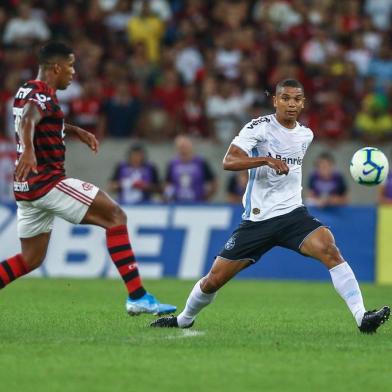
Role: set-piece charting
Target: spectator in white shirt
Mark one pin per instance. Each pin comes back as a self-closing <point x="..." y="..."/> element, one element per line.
<point x="26" y="27"/>
<point x="316" y="50"/>
<point x="359" y="55"/>
<point x="380" y="11"/>
<point x="226" y="110"/>
<point x="228" y="57"/>
<point x="160" y="8"/>
<point x="188" y="61"/>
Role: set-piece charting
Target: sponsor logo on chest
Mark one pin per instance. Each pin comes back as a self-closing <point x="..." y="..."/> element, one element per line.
<point x="288" y="160"/>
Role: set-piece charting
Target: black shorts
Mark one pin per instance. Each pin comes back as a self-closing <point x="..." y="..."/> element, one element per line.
<point x="252" y="239"/>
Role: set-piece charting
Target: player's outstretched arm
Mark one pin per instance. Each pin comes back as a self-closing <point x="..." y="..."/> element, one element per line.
<point x="84" y="136"/>
<point x="237" y="159"/>
<point x="27" y="161"/>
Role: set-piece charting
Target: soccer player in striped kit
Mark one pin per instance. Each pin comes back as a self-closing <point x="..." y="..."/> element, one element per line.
<point x="43" y="191"/>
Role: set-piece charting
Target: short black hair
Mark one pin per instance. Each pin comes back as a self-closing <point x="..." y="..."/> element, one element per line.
<point x="52" y="50"/>
<point x="288" y="83"/>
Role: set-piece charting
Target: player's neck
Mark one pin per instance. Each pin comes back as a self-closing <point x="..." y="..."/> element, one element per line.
<point x="46" y="77"/>
<point x="287" y="123"/>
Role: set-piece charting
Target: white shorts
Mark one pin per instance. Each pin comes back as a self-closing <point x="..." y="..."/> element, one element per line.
<point x="69" y="199"/>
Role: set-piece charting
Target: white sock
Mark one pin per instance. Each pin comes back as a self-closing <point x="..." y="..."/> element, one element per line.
<point x="196" y="301"/>
<point x="346" y="285"/>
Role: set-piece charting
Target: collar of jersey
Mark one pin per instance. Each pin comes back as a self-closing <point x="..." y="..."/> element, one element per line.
<point x="275" y="120"/>
<point x="43" y="85"/>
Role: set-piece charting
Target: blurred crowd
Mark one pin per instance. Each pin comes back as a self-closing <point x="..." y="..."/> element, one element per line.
<point x="155" y="68"/>
<point x="188" y="177"/>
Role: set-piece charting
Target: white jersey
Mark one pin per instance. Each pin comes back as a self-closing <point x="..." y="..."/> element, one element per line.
<point x="268" y="194"/>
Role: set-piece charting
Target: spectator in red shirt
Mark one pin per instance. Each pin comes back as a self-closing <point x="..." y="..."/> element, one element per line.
<point x="334" y="123"/>
<point x="86" y="110"/>
<point x="169" y="94"/>
<point x="193" y="118"/>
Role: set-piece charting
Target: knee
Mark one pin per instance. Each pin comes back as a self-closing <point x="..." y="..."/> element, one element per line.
<point x="210" y="284"/>
<point x="331" y="255"/>
<point x="118" y="216"/>
<point x="33" y="261"/>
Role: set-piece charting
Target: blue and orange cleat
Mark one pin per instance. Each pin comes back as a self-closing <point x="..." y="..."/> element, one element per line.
<point x="148" y="304"/>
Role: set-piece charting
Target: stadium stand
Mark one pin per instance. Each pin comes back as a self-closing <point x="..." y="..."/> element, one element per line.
<point x="203" y="67"/>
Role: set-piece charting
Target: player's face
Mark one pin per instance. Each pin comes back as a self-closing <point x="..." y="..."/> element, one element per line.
<point x="289" y="103"/>
<point x="66" y="72"/>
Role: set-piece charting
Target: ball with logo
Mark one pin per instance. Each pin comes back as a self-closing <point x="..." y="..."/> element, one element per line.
<point x="369" y="166"/>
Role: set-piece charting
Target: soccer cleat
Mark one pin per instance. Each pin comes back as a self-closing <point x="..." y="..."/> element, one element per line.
<point x="148" y="304"/>
<point x="373" y="319"/>
<point x="168" y="322"/>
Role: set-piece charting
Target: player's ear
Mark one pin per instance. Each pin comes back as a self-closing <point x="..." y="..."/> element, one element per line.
<point x="303" y="103"/>
<point x="274" y="99"/>
<point x="56" y="68"/>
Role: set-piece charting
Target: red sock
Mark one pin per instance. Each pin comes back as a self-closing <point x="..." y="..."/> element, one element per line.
<point x="121" y="252"/>
<point x="12" y="269"/>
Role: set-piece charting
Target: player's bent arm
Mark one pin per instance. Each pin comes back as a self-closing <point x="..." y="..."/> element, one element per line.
<point x="71" y="129"/>
<point x="27" y="161"/>
<point x="83" y="135"/>
<point x="237" y="159"/>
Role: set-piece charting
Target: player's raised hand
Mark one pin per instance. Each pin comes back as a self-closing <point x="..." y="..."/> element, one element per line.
<point x="279" y="166"/>
<point x="27" y="163"/>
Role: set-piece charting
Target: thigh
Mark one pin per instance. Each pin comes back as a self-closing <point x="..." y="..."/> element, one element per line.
<point x="248" y="242"/>
<point x="104" y="212"/>
<point x="321" y="246"/>
<point x="70" y="199"/>
<point x="295" y="228"/>
<point x="33" y="220"/>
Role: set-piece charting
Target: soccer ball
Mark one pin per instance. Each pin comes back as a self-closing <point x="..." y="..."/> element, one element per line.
<point x="369" y="166"/>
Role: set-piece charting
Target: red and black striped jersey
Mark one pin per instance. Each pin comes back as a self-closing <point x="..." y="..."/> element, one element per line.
<point x="48" y="140"/>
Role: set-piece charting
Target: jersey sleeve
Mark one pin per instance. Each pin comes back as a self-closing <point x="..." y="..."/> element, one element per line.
<point x="310" y="136"/>
<point x="250" y="135"/>
<point x="43" y="102"/>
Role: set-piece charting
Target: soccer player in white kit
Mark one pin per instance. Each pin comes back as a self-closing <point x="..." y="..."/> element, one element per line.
<point x="272" y="148"/>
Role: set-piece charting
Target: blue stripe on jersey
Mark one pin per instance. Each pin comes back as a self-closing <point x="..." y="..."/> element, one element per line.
<point x="252" y="177"/>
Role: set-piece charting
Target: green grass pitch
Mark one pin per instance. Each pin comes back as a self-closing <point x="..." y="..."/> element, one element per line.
<point x="74" y="335"/>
